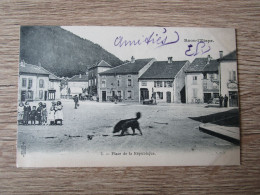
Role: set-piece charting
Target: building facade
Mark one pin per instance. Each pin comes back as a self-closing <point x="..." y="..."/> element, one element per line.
<point x="77" y="85"/>
<point x="164" y="81"/>
<point x="122" y="81"/>
<point x="202" y="80"/>
<point x="229" y="80"/>
<point x="36" y="83"/>
<point x="93" y="76"/>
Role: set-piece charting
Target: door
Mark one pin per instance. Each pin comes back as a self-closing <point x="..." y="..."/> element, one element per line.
<point x="45" y="95"/>
<point x="23" y="96"/>
<point x="233" y="99"/>
<point x="144" y="93"/>
<point x="104" y="95"/>
<point x="207" y="97"/>
<point x="168" y="97"/>
<point x="183" y="95"/>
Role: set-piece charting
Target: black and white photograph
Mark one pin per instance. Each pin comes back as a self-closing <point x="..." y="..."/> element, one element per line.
<point x="99" y="96"/>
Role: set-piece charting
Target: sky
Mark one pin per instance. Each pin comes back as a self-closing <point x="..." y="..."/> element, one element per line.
<point x="113" y="40"/>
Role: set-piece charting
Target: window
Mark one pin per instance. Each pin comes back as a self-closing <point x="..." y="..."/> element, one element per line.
<point x="40" y="94"/>
<point x="103" y="77"/>
<point x="118" y="83"/>
<point x="158" y="84"/>
<point x="118" y="76"/>
<point x="168" y="83"/>
<point x="194" y="80"/>
<point x="103" y="83"/>
<point x="30" y="84"/>
<point x="41" y="83"/>
<point x="129" y="94"/>
<point x="30" y="95"/>
<point x="232" y="76"/>
<point x="24" y="82"/>
<point x="160" y="95"/>
<point x="129" y="82"/>
<point x="195" y="92"/>
<point x="144" y="83"/>
<point x="119" y="94"/>
<point x="95" y="81"/>
<point x="205" y="76"/>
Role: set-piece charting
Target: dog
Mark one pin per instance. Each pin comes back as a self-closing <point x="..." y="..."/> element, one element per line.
<point x="123" y="125"/>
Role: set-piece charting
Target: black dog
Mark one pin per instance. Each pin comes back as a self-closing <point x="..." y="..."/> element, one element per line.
<point x="125" y="124"/>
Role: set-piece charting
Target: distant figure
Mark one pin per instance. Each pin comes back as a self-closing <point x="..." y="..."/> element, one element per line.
<point x="220" y="100"/>
<point x="33" y="115"/>
<point x="225" y="101"/>
<point x="20" y="114"/>
<point x="26" y="112"/>
<point x="116" y="99"/>
<point x="76" y="100"/>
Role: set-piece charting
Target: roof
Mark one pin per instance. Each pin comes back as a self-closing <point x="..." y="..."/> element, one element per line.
<point x="202" y="65"/>
<point x="231" y="56"/>
<point x="102" y="63"/>
<point x="128" y="68"/>
<point x="163" y="70"/>
<point x="79" y="78"/>
<point x="33" y="69"/>
<point x="212" y="66"/>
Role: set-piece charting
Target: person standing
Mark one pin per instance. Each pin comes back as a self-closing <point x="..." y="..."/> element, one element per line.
<point x="20" y="114"/>
<point x="76" y="100"/>
<point x="220" y="100"/>
<point x="26" y="112"/>
<point x="33" y="115"/>
<point x="225" y="101"/>
<point x="51" y="115"/>
<point x="39" y="113"/>
<point x="44" y="114"/>
<point x="58" y="113"/>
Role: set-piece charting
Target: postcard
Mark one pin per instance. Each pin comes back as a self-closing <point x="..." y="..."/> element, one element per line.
<point x="100" y="96"/>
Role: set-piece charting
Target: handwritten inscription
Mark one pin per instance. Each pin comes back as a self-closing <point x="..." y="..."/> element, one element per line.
<point x="158" y="39"/>
<point x="200" y="48"/>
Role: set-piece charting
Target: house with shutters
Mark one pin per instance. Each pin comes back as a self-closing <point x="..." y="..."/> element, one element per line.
<point x="228" y="78"/>
<point x="164" y="81"/>
<point x="36" y="83"/>
<point x="123" y="80"/>
<point x="202" y="80"/>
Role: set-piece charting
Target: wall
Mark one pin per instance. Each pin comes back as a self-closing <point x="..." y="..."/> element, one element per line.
<point x="190" y="86"/>
<point x="35" y="85"/>
<point x="111" y="85"/>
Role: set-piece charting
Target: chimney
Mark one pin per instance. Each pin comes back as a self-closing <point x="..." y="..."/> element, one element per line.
<point x="132" y="59"/>
<point x="220" y="54"/>
<point x="169" y="60"/>
<point x="80" y="76"/>
<point x="209" y="58"/>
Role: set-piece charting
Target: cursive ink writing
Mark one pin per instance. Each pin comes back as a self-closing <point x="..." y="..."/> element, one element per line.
<point x="201" y="48"/>
<point x="154" y="38"/>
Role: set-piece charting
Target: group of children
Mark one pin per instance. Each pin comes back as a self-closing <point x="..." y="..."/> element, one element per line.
<point x="40" y="115"/>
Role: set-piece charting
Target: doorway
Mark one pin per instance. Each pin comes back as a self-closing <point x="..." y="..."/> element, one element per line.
<point x="144" y="94"/>
<point x="104" y="95"/>
<point x="168" y="96"/>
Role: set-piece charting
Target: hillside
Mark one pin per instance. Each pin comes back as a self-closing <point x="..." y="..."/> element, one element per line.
<point x="60" y="51"/>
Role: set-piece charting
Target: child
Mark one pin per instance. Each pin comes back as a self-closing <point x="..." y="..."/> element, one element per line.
<point x="58" y="113"/>
<point x="26" y="112"/>
<point x="44" y="114"/>
<point x="33" y="115"/>
<point x="39" y="114"/>
<point x="51" y="116"/>
<point x="20" y="114"/>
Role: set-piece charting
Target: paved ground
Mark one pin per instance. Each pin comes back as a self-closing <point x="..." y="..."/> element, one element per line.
<point x="165" y="127"/>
